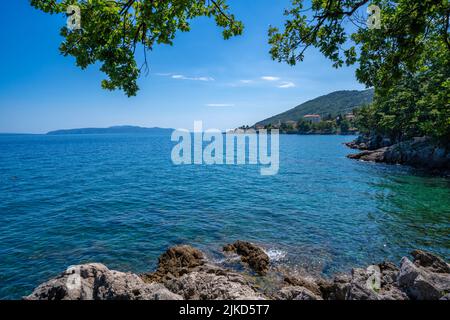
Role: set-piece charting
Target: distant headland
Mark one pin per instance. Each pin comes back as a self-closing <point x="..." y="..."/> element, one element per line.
<point x="112" y="130"/>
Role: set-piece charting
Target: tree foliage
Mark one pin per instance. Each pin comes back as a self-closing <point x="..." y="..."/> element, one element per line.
<point x="407" y="60"/>
<point x="112" y="30"/>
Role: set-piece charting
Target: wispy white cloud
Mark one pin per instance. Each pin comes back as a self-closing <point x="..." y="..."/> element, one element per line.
<point x="177" y="76"/>
<point x="270" y="78"/>
<point x="246" y="81"/>
<point x="286" y="84"/>
<point x="220" y="105"/>
<point x="183" y="77"/>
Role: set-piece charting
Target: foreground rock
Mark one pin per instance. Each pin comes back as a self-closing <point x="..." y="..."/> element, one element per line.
<point x="418" y="152"/>
<point x="211" y="284"/>
<point x="250" y="254"/>
<point x="176" y="262"/>
<point x="94" y="281"/>
<point x="184" y="273"/>
<point x="428" y="278"/>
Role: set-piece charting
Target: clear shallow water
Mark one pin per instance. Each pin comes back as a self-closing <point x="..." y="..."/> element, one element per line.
<point x="119" y="200"/>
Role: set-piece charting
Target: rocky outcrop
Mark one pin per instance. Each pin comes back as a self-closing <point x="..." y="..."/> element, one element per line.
<point x="296" y="293"/>
<point x="95" y="281"/>
<point x="369" y="142"/>
<point x="431" y="262"/>
<point x="250" y="254"/>
<point x="418" y="152"/>
<point x="184" y="273"/>
<point x="299" y="288"/>
<point x="176" y="262"/>
<point x="370" y="155"/>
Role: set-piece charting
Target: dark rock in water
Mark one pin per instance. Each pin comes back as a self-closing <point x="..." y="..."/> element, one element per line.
<point x="369" y="142"/>
<point x="418" y="152"/>
<point x="251" y="254"/>
<point x="94" y="281"/>
<point x="356" y="145"/>
<point x="176" y="262"/>
<point x="370" y="155"/>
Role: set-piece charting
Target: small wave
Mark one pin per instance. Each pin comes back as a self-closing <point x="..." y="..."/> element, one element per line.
<point x="229" y="258"/>
<point x="276" y="254"/>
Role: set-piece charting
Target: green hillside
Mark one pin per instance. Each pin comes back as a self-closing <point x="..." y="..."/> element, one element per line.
<point x="339" y="102"/>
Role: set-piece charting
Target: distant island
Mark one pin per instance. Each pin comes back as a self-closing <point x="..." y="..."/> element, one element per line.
<point x="112" y="130"/>
<point x="333" y="113"/>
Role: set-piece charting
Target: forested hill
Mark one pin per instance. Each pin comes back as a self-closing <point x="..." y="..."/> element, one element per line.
<point x="339" y="102"/>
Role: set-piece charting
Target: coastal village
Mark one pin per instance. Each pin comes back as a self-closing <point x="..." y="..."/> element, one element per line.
<point x="311" y="124"/>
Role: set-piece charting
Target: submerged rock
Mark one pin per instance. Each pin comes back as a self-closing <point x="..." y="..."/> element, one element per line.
<point x="250" y="254"/>
<point x="95" y="281"/>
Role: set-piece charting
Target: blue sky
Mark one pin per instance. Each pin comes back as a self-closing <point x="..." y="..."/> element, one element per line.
<point x="202" y="77"/>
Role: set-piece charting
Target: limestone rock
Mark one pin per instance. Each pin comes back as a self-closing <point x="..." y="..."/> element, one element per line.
<point x="96" y="282"/>
<point x="338" y="289"/>
<point x="421" y="283"/>
<point x="359" y="288"/>
<point x="204" y="285"/>
<point x="309" y="284"/>
<point x="296" y="293"/>
<point x="431" y="262"/>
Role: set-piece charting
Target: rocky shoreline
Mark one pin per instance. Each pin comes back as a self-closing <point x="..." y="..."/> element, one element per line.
<point x="184" y="273"/>
<point x="419" y="152"/>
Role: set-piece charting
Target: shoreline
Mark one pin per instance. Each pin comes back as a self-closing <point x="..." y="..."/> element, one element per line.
<point x="419" y="153"/>
<point x="184" y="273"/>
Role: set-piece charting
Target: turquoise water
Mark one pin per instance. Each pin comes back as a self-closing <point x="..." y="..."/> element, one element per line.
<point x="119" y="200"/>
